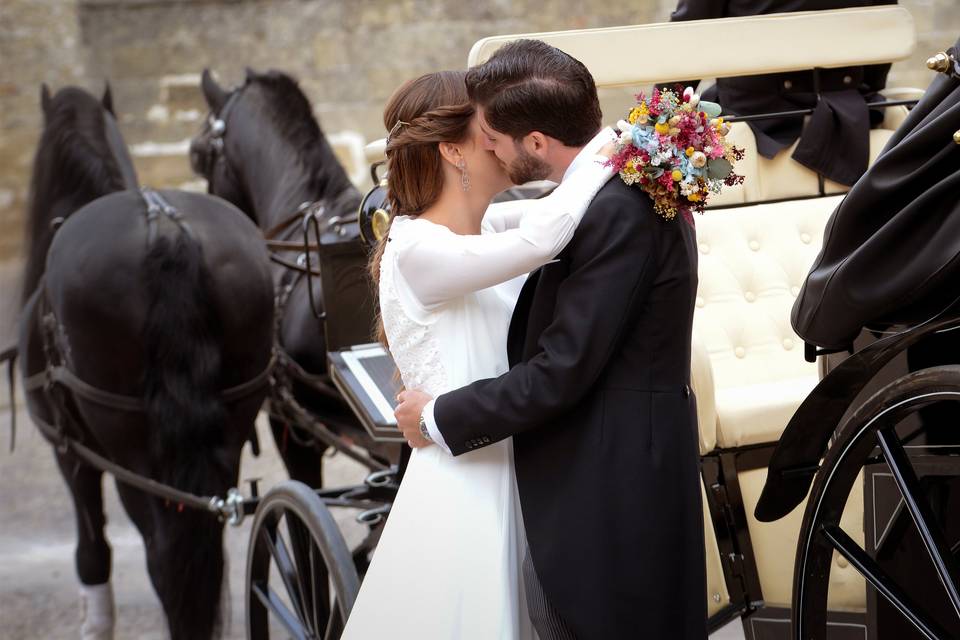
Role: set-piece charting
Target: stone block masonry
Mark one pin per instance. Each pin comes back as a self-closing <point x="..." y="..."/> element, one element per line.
<point x="348" y="54"/>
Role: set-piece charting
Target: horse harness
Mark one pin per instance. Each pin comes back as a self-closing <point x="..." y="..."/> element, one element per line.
<point x="312" y="222"/>
<point x="58" y="383"/>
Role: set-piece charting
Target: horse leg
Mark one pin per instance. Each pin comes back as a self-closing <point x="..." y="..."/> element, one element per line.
<point x="93" y="556"/>
<point x="185" y="561"/>
<point x="303" y="463"/>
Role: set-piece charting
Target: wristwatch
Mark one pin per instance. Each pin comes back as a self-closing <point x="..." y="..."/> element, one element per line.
<point x="423" y="429"/>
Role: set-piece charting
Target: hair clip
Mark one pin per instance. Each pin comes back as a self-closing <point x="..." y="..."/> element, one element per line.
<point x="396" y="128"/>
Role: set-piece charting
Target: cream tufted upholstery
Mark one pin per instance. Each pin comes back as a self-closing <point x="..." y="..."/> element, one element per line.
<point x="753" y="261"/>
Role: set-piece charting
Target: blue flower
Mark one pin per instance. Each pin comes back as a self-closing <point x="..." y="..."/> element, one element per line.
<point x="645" y="139"/>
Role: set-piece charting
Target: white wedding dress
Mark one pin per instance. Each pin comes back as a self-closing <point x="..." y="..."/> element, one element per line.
<point x="448" y="565"/>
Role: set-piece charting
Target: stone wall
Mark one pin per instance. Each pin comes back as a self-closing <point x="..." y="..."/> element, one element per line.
<point x="348" y="54"/>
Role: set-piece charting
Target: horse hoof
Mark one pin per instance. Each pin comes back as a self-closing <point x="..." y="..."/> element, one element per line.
<point x="96" y="612"/>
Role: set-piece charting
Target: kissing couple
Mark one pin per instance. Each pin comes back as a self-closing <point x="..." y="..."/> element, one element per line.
<point x="544" y="346"/>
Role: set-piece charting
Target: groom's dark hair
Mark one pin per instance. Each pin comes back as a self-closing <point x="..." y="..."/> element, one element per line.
<point x="528" y="85"/>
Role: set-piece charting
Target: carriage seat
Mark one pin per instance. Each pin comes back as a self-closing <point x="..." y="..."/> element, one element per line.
<point x="749" y="372"/>
<point x="781" y="177"/>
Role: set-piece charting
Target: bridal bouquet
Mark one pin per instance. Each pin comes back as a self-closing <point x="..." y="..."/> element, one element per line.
<point x="674" y="147"/>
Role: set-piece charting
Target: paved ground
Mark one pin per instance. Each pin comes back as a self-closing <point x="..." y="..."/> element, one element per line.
<point x="37" y="580"/>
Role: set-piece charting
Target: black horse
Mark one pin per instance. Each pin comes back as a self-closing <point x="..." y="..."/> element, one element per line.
<point x="162" y="305"/>
<point x="263" y="150"/>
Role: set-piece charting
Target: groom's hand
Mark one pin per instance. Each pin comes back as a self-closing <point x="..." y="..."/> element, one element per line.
<point x="407" y="413"/>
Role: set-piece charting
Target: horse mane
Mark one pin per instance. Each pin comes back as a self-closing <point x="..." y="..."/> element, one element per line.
<point x="73" y="166"/>
<point x="291" y="112"/>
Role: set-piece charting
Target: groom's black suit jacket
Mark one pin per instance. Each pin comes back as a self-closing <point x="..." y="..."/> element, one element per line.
<point x="604" y="423"/>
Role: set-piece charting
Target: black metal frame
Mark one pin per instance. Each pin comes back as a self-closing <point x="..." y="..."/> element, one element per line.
<point x="720" y="471"/>
<point x="925" y="466"/>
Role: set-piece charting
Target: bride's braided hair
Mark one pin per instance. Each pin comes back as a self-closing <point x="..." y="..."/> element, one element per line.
<point x="421" y="114"/>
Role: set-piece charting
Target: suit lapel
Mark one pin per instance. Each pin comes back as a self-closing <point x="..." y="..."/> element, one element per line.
<point x="516" y="336"/>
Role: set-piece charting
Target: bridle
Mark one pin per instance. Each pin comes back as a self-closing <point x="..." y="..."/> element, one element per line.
<point x="310" y="215"/>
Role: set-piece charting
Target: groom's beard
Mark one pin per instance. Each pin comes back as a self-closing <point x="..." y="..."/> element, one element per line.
<point x="527" y="168"/>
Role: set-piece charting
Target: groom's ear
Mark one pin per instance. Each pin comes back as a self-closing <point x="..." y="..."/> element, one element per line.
<point x="535" y="143"/>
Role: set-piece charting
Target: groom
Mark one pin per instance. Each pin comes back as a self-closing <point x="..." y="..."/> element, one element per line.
<point x="598" y="396"/>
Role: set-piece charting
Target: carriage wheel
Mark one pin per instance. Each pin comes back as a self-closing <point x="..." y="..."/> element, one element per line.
<point x="301" y="582"/>
<point x="869" y="436"/>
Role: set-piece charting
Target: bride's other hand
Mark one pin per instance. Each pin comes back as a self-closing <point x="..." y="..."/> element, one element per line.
<point x="409" y="408"/>
<point x="607" y="150"/>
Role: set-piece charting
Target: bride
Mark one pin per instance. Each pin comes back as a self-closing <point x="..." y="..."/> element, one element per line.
<point x="449" y="273"/>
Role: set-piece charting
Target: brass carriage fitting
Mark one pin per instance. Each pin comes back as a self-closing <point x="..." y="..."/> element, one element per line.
<point x="939" y="63"/>
<point x="380" y="223"/>
<point x="956" y="136"/>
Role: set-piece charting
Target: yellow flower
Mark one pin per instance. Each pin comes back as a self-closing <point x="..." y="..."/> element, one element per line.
<point x="676" y="175"/>
<point x="689" y="151"/>
<point x="638" y="113"/>
<point x="694" y="197"/>
<point x="662" y="127"/>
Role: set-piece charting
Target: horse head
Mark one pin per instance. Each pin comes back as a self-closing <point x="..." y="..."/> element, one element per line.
<point x="262" y="149"/>
<point x="81" y="157"/>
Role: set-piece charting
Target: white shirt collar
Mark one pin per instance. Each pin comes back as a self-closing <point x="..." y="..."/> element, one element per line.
<point x="589" y="151"/>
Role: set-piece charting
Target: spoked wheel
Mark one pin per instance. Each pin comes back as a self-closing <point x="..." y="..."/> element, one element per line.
<point x="869" y="436"/>
<point x="301" y="582"/>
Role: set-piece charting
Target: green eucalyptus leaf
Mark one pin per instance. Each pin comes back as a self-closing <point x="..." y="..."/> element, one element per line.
<point x="719" y="168"/>
<point x="712" y="109"/>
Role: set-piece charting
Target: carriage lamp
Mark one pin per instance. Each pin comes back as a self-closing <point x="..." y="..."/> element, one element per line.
<point x="380" y="223"/>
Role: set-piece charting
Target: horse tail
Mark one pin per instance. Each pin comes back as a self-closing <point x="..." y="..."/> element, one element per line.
<point x="187" y="419"/>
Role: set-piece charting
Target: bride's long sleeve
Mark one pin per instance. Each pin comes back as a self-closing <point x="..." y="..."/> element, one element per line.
<point x="443" y="265"/>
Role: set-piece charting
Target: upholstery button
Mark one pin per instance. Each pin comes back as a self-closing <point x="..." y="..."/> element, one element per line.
<point x="788" y="84"/>
<point x="740" y="352"/>
<point x="700" y="302"/>
<point x="842" y="562"/>
<point x="750" y="296"/>
<point x="754" y="245"/>
<point x="788" y="343"/>
<point x="847" y="79"/>
<point x="704" y="247"/>
<point x="795" y="291"/>
<point x="805" y="238"/>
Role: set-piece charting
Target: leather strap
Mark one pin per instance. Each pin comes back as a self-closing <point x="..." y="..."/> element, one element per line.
<point x="59" y="374"/>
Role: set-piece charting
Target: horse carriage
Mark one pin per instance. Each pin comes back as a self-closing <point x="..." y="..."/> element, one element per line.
<point x="847" y="558"/>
